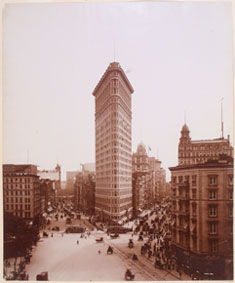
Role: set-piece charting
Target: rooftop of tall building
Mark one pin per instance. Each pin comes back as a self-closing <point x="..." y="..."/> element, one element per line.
<point x="113" y="66"/>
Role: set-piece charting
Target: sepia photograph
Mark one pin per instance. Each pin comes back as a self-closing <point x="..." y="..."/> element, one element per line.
<point x="117" y="141"/>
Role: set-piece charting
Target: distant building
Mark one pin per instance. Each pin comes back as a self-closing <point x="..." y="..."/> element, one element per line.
<point x="148" y="179"/>
<point x="140" y="171"/>
<point x="70" y="178"/>
<point x="89" y="167"/>
<point x="202" y="232"/>
<point x="47" y="188"/>
<point x="113" y="193"/>
<point x="54" y="175"/>
<point x="21" y="190"/>
<point x="200" y="151"/>
<point x="84" y="192"/>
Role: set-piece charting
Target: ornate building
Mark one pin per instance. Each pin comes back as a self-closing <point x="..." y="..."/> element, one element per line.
<point x="149" y="179"/>
<point x="113" y="192"/>
<point x="202" y="232"/>
<point x="140" y="176"/>
<point x="199" y="151"/>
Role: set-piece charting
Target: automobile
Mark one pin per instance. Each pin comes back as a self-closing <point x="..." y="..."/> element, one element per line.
<point x="43" y="276"/>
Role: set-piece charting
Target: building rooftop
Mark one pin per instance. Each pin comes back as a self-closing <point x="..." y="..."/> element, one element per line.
<point x="223" y="161"/>
<point x="210" y="141"/>
<point x="112" y="67"/>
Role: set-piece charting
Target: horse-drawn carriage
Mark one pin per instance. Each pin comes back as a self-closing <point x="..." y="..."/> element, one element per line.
<point x="110" y="250"/>
<point x="131" y="244"/>
<point x="114" y="236"/>
<point x="129" y="275"/>
<point x="99" y="240"/>
<point x="45" y="234"/>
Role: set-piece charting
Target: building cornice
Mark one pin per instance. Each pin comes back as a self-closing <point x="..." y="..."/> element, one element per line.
<point x="115" y="66"/>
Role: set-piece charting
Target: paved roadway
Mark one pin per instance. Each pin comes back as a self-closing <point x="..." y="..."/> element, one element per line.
<point x="65" y="260"/>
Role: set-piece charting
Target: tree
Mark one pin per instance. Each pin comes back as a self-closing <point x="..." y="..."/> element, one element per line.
<point x="18" y="236"/>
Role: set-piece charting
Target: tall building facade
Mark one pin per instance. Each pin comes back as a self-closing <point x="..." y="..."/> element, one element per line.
<point x="113" y="116"/>
<point x="148" y="179"/>
<point x="202" y="193"/>
<point x="84" y="192"/>
<point x="202" y="211"/>
<point x="199" y="151"/>
<point x="21" y="189"/>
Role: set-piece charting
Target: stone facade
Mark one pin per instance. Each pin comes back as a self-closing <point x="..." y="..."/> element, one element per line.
<point x="84" y="192"/>
<point x="149" y="179"/>
<point x="113" y="116"/>
<point x="21" y="190"/>
<point x="200" y="151"/>
<point x="202" y="233"/>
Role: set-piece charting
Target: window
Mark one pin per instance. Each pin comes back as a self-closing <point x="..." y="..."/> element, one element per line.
<point x="213" y="211"/>
<point x="230" y="194"/>
<point x="213" y="245"/>
<point x="212" y="195"/>
<point x="213" y="228"/>
<point x="230" y="211"/>
<point x="212" y="180"/>
<point x="194" y="208"/>
<point x="194" y="180"/>
<point x="230" y="180"/>
<point x="194" y="194"/>
<point x="180" y="179"/>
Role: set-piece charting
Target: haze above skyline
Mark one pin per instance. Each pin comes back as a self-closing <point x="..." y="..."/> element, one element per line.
<point x="177" y="56"/>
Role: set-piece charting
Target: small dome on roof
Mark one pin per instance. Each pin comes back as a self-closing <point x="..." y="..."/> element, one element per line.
<point x="185" y="128"/>
<point x="141" y="148"/>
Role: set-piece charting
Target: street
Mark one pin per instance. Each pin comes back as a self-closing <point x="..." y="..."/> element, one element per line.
<point x="65" y="260"/>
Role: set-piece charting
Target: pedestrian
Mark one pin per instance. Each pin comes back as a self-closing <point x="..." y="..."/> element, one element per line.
<point x="180" y="274"/>
<point x="99" y="252"/>
<point x="77" y="242"/>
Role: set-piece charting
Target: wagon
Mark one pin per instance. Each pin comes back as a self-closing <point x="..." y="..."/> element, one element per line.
<point x="99" y="240"/>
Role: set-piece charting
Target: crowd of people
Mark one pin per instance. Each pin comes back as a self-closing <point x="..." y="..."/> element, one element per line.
<point x="154" y="229"/>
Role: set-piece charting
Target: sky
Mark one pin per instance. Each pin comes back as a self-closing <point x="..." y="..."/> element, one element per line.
<point x="177" y="56"/>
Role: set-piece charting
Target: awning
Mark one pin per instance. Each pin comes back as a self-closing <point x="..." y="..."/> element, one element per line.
<point x="140" y="210"/>
<point x="124" y="219"/>
<point x="120" y="222"/>
<point x="44" y="214"/>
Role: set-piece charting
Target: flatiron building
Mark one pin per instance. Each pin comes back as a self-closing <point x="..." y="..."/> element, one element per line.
<point x="113" y="192"/>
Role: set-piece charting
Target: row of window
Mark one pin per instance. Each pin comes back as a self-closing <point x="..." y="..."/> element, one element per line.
<point x="16" y="186"/>
<point x="212" y="194"/>
<point x="26" y="193"/>
<point x="212" y="180"/>
<point x="10" y="207"/>
<point x="21" y="180"/>
<point x="20" y="200"/>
